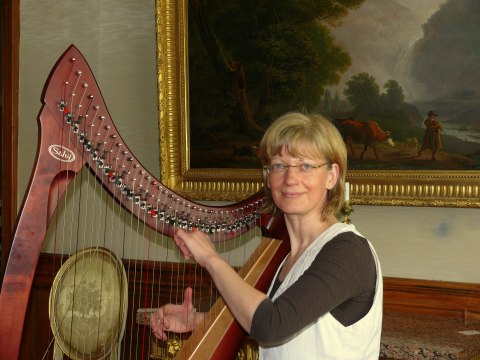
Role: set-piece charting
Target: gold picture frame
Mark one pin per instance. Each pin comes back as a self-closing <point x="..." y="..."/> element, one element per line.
<point x="368" y="187"/>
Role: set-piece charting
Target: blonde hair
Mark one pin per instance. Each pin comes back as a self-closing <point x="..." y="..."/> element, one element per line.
<point x="297" y="133"/>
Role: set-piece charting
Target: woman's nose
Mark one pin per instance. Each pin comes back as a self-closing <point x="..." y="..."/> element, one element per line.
<point x="291" y="173"/>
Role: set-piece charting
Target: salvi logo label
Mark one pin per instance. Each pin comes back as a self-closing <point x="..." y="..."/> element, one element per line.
<point x="61" y="153"/>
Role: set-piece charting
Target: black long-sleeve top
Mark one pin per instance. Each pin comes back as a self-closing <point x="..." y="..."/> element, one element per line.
<point x="341" y="280"/>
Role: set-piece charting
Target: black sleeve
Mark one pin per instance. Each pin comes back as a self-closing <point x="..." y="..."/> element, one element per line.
<point x="341" y="280"/>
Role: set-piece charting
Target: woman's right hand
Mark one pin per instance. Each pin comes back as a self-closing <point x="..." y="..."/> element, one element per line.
<point x="175" y="318"/>
<point x="195" y="245"/>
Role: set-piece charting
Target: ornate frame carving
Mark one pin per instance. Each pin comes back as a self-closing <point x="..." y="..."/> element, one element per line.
<point x="368" y="187"/>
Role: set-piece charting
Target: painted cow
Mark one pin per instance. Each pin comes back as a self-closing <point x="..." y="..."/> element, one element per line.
<point x="367" y="133"/>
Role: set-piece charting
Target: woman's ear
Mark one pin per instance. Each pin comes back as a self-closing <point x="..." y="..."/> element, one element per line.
<point x="266" y="179"/>
<point x="333" y="175"/>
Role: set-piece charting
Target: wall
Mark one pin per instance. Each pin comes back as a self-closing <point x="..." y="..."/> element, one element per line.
<point x="423" y="243"/>
<point x="118" y="40"/>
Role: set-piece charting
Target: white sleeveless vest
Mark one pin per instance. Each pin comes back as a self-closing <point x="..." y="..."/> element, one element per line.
<point x="328" y="339"/>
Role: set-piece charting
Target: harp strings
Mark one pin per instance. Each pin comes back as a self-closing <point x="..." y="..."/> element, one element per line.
<point x="73" y="231"/>
<point x="105" y="223"/>
<point x="141" y="239"/>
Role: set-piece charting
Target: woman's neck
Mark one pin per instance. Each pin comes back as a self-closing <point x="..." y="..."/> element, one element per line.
<point x="303" y="232"/>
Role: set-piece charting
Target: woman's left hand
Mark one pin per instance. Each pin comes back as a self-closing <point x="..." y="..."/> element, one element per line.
<point x="175" y="318"/>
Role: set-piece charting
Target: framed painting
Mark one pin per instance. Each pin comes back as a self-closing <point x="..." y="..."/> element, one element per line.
<point x="207" y="155"/>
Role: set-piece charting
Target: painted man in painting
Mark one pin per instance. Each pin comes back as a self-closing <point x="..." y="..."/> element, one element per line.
<point x="431" y="138"/>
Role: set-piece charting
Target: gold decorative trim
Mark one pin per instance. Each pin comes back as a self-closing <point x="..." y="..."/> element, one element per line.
<point x="420" y="188"/>
<point x="369" y="187"/>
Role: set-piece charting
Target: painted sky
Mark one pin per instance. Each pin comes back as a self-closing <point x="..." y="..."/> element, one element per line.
<point x="424" y="8"/>
<point x="380" y="35"/>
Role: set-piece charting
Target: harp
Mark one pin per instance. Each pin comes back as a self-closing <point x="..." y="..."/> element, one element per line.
<point x="77" y="135"/>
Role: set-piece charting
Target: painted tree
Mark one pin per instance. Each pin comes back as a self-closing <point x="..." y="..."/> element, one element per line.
<point x="393" y="98"/>
<point x="336" y="102"/>
<point x="327" y="102"/>
<point x="249" y="56"/>
<point x="363" y="93"/>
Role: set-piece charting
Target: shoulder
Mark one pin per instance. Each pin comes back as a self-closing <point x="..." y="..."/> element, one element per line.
<point x="348" y="238"/>
<point x="348" y="247"/>
<point x="346" y="259"/>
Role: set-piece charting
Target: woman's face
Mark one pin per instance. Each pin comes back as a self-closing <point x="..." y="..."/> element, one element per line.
<point x="301" y="188"/>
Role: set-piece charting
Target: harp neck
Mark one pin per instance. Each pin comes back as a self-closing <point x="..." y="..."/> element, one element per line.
<point x="76" y="131"/>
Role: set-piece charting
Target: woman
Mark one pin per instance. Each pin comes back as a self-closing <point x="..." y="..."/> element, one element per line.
<point x="325" y="301"/>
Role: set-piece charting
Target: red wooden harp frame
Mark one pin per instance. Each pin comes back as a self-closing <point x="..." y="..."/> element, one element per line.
<point x="73" y="108"/>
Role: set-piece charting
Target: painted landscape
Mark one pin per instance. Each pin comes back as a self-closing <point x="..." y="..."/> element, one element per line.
<point x="383" y="61"/>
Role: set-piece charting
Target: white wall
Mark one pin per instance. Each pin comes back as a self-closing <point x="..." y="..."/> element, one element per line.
<point x="423" y="243"/>
<point x="117" y="38"/>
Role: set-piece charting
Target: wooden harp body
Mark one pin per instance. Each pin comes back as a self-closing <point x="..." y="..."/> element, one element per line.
<point x="75" y="133"/>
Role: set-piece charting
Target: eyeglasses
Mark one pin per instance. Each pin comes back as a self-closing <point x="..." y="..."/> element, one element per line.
<point x="302" y="168"/>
